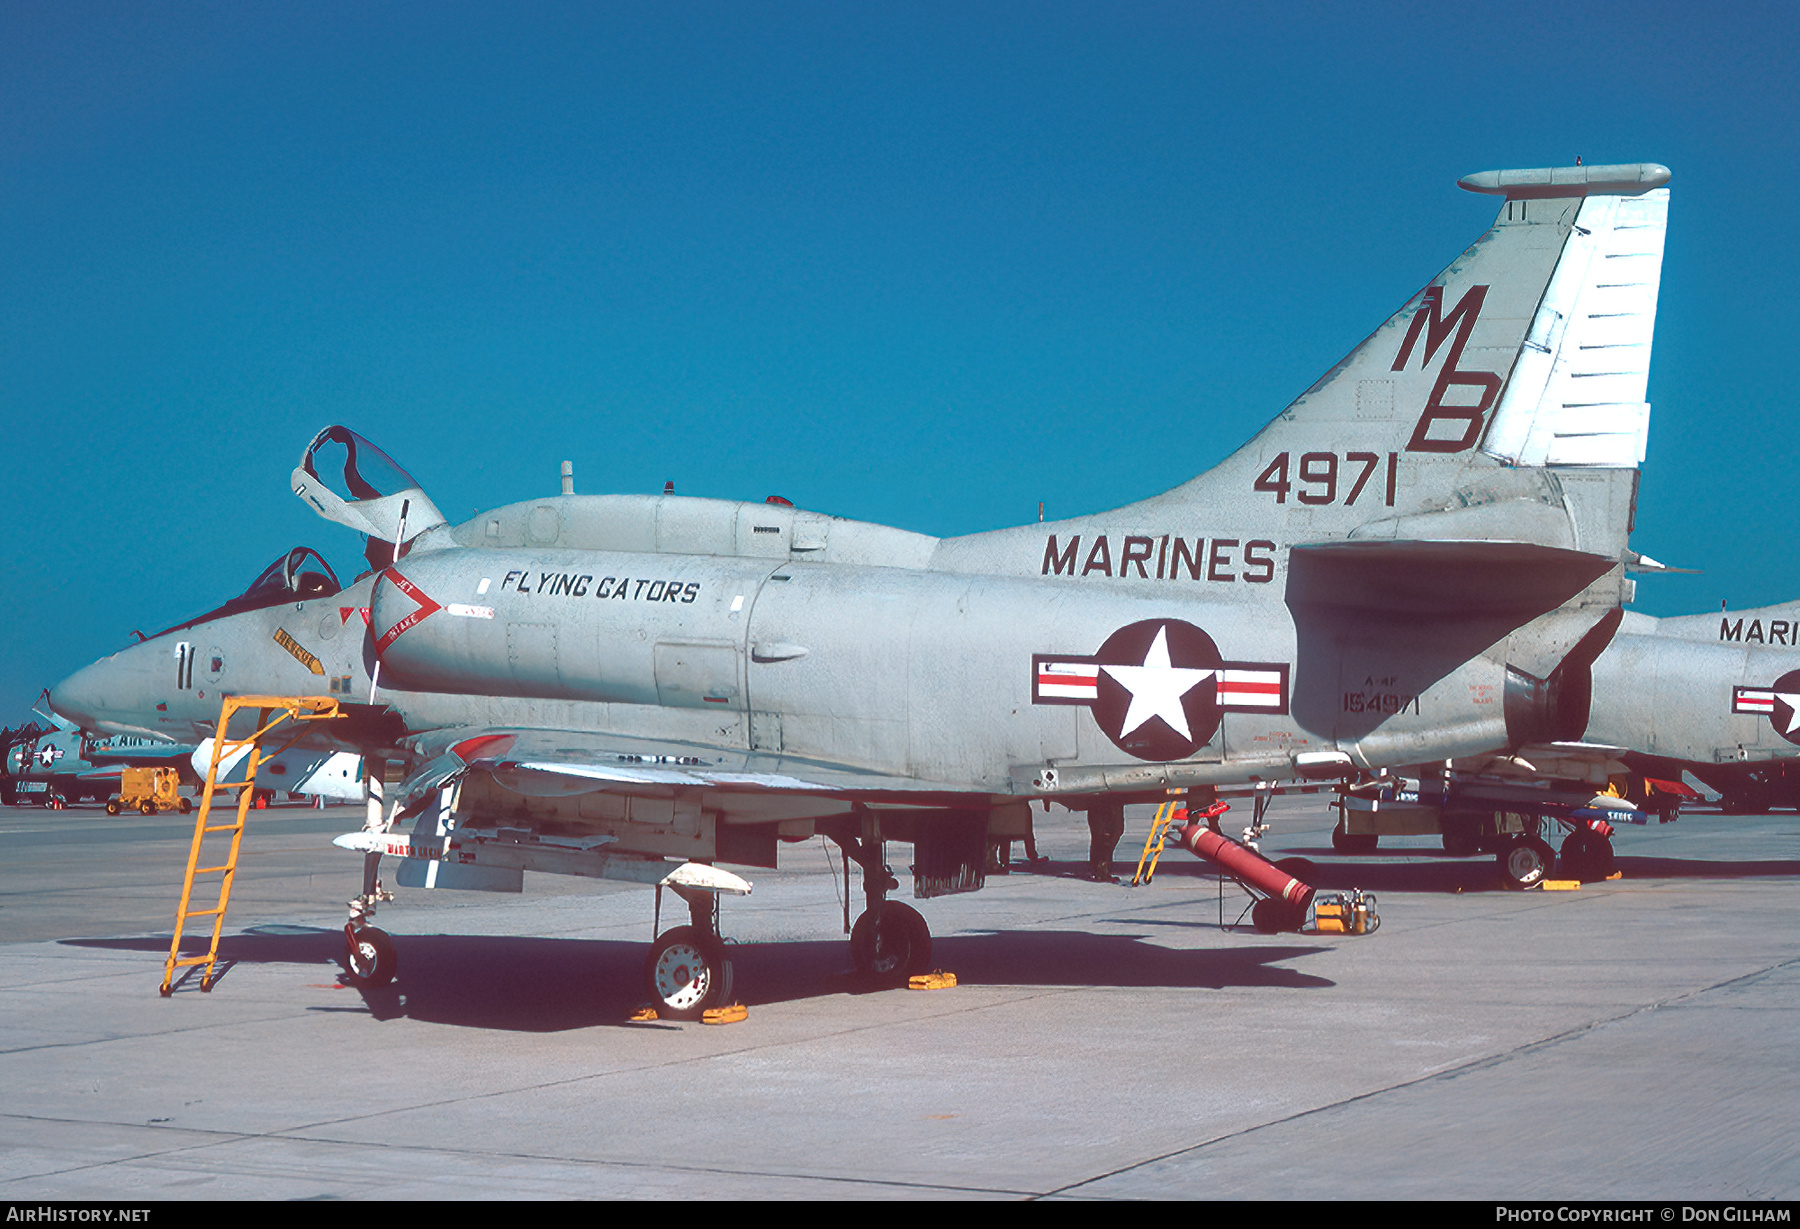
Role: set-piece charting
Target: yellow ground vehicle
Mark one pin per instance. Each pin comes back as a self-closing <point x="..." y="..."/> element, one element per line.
<point x="149" y="790"/>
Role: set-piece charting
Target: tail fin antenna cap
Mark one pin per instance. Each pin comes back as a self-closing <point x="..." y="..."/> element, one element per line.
<point x="1621" y="179"/>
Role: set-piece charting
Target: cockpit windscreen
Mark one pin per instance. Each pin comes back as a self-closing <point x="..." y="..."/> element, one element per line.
<point x="297" y="575"/>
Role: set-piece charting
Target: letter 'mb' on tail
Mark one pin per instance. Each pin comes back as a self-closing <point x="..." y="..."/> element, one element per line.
<point x="1533" y="347"/>
<point x="1430" y="320"/>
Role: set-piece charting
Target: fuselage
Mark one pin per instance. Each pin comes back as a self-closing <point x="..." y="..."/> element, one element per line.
<point x="812" y="649"/>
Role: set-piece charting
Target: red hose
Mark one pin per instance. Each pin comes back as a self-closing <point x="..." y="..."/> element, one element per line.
<point x="1247" y="865"/>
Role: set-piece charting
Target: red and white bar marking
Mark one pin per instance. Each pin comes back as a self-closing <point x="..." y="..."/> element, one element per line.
<point x="1251" y="688"/>
<point x="1068" y="680"/>
<point x="1752" y="700"/>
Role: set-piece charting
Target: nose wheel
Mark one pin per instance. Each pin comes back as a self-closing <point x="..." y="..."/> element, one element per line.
<point x="369" y="956"/>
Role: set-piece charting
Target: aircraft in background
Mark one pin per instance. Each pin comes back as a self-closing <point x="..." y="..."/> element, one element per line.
<point x="56" y="764"/>
<point x="61" y="764"/>
<point x="1418" y="560"/>
<point x="1715" y="696"/>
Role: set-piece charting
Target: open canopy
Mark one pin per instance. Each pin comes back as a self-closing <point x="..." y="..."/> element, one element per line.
<point x="347" y="479"/>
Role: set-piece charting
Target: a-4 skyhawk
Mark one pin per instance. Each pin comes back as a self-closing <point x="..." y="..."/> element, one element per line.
<point x="1418" y="559"/>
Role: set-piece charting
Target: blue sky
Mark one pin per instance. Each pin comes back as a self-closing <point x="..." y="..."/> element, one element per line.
<point x="925" y="264"/>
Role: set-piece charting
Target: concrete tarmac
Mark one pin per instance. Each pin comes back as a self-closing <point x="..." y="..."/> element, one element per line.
<point x="1631" y="1040"/>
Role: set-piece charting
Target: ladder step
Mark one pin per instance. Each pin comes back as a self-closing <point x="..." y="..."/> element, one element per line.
<point x="201" y="913"/>
<point x="212" y="870"/>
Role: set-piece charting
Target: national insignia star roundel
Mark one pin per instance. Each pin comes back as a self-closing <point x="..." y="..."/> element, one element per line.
<point x="1159" y="687"/>
<point x="1780" y="703"/>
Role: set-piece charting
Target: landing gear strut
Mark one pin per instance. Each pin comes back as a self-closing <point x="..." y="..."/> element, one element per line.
<point x="369" y="957"/>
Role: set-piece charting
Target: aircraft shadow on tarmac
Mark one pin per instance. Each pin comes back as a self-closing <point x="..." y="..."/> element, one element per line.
<point x="535" y="985"/>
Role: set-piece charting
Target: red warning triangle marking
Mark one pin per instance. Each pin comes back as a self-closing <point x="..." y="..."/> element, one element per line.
<point x="427" y="607"/>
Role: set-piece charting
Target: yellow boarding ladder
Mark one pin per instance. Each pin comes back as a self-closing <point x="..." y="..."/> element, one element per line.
<point x="1158" y="837"/>
<point x="1170" y="815"/>
<point x="272" y="712"/>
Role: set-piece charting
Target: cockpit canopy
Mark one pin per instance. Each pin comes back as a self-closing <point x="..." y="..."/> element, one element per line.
<point x="347" y="479"/>
<point x="298" y="575"/>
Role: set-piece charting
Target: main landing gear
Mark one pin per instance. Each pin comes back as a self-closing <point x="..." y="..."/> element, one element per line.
<point x="685" y="971"/>
<point x="1525" y="861"/>
<point x="1587" y="855"/>
<point x="890" y="942"/>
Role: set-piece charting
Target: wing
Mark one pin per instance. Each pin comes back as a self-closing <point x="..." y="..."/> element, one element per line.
<point x="554" y="763"/>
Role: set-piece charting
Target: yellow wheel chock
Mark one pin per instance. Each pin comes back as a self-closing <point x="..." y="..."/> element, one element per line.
<point x="937" y="979"/>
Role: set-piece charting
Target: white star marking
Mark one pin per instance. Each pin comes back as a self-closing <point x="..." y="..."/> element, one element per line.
<point x="1157" y="687"/>
<point x="1792" y="700"/>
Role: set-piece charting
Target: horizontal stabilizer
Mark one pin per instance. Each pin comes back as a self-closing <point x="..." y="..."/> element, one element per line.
<point x="1440" y="578"/>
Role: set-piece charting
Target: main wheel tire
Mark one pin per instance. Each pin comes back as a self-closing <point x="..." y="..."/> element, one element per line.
<point x="112" y="806"/>
<point x="1525" y="862"/>
<point x="1362" y="843"/>
<point x="146" y="808"/>
<point x="904" y="947"/>
<point x="685" y="973"/>
<point x="186" y="805"/>
<point x="1586" y="856"/>
<point x="1602" y="864"/>
<point x="369" y="957"/>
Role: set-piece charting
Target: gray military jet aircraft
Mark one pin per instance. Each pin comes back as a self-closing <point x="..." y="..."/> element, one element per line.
<point x="1716" y="695"/>
<point x="1419" y="559"/>
<point x="1725" y="705"/>
<point x="61" y="764"/>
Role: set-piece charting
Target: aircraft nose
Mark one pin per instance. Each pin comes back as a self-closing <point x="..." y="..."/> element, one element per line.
<point x="78" y="698"/>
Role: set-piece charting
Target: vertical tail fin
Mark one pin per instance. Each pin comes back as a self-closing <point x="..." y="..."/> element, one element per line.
<point x="1505" y="400"/>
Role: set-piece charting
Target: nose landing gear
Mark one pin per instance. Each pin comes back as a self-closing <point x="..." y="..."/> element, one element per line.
<point x="369" y="957"/>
